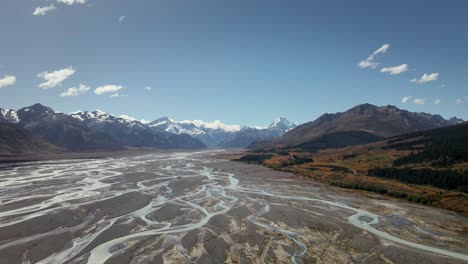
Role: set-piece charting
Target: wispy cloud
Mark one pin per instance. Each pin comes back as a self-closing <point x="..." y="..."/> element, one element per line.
<point x="426" y="78"/>
<point x="42" y="10"/>
<point x="71" y="2"/>
<point x="119" y="95"/>
<point x="107" y="89"/>
<point x="55" y="78"/>
<point x="406" y="99"/>
<point x="122" y="18"/>
<point x="396" y="69"/>
<point x="148" y="88"/>
<point x="437" y="101"/>
<point x="369" y="62"/>
<point x="7" y="80"/>
<point x="458" y="101"/>
<point x="75" y="91"/>
<point x="419" y="101"/>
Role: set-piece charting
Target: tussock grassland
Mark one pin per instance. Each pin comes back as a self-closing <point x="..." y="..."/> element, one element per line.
<point x="348" y="168"/>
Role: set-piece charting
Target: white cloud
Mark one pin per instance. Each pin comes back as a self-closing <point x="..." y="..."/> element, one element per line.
<point x="71" y="2"/>
<point x="7" y="80"/>
<point x="406" y="99"/>
<point x="75" y="91"/>
<point x="148" y="88"/>
<point x="437" y="101"/>
<point x="55" y="78"/>
<point x="458" y="101"/>
<point x="108" y="89"/>
<point x="42" y="10"/>
<point x="369" y="62"/>
<point x="396" y="69"/>
<point x="119" y="95"/>
<point x="426" y="78"/>
<point x="419" y="101"/>
<point x="127" y="117"/>
<point x="217" y="124"/>
<point x="122" y="18"/>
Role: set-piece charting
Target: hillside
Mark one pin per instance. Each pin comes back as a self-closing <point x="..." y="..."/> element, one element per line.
<point x="62" y="130"/>
<point x="133" y="133"/>
<point x="384" y="121"/>
<point x="429" y="167"/>
<point x="93" y="131"/>
<point x="17" y="141"/>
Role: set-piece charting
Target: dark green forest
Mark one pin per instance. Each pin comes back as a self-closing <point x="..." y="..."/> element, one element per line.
<point x="442" y="147"/>
<point x="445" y="179"/>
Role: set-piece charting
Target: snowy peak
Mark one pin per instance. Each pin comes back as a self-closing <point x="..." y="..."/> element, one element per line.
<point x="219" y="134"/>
<point x="9" y="116"/>
<point x="282" y="123"/>
<point x="161" y="121"/>
<point x="34" y="113"/>
<point x="192" y="127"/>
<point x="100" y="117"/>
<point x="97" y="115"/>
<point x="201" y="127"/>
<point x="37" y="109"/>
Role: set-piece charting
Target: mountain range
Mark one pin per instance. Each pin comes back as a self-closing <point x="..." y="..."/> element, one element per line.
<point x="217" y="134"/>
<point x="98" y="130"/>
<point x="359" y="125"/>
<point x="40" y="127"/>
<point x="133" y="133"/>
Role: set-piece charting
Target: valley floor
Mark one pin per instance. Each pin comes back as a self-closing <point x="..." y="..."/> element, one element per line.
<point x="184" y="207"/>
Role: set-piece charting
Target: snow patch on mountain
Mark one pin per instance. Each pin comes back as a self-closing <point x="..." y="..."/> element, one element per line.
<point x="99" y="116"/>
<point x="218" y="134"/>
<point x="9" y="115"/>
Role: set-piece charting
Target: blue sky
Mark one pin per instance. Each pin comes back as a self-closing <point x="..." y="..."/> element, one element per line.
<point x="243" y="61"/>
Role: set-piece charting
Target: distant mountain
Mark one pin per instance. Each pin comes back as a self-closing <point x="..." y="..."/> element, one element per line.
<point x="131" y="132"/>
<point x="63" y="130"/>
<point x="15" y="140"/>
<point x="8" y="116"/>
<point x="247" y="135"/>
<point x="455" y="120"/>
<point x="217" y="134"/>
<point x="385" y="121"/>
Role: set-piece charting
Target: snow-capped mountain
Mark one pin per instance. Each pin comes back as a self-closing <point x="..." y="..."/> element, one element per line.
<point x="359" y="125"/>
<point x="132" y="132"/>
<point x="193" y="128"/>
<point x="218" y="134"/>
<point x="59" y="129"/>
<point x="96" y="130"/>
<point x="282" y="125"/>
<point x="100" y="118"/>
<point x="8" y="116"/>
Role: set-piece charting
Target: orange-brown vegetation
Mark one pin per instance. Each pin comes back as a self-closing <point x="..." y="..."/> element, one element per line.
<point x="347" y="168"/>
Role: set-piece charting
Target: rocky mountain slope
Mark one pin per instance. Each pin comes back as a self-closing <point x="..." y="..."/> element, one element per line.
<point x="131" y="132"/>
<point x="15" y="140"/>
<point x="62" y="130"/>
<point x="90" y="131"/>
<point x="362" y="120"/>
